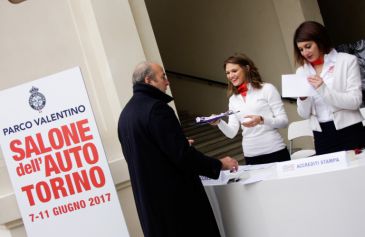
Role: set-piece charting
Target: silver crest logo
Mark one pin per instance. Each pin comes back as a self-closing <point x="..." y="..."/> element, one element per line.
<point x="37" y="100"/>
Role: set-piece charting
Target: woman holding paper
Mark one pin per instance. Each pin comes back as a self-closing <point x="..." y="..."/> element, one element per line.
<point x="334" y="109"/>
<point x="261" y="112"/>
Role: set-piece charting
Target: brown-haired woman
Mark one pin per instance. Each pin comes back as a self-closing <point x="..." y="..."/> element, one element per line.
<point x="334" y="110"/>
<point x="261" y="112"/>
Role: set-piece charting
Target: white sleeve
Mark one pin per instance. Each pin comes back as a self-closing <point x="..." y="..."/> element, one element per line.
<point x="351" y="96"/>
<point x="304" y="107"/>
<point x="279" y="118"/>
<point x="231" y="128"/>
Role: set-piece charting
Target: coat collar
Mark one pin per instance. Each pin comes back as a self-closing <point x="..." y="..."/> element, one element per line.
<point x="151" y="91"/>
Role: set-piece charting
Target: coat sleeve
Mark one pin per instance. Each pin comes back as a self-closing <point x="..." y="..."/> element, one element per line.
<point x="350" y="97"/>
<point x="167" y="134"/>
<point x="279" y="118"/>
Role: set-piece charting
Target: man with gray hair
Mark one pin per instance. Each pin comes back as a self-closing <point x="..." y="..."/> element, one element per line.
<point x="164" y="168"/>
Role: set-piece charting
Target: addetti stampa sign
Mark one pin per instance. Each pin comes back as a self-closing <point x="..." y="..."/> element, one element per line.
<point x="55" y="158"/>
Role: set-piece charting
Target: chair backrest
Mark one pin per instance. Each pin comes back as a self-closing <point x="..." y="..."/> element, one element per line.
<point x="362" y="110"/>
<point x="299" y="129"/>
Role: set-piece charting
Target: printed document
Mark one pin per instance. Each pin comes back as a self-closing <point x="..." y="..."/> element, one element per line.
<point x="294" y="85"/>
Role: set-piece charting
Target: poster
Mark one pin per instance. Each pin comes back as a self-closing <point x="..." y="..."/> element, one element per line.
<point x="56" y="161"/>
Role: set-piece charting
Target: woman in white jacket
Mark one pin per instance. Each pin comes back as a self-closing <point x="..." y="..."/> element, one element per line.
<point x="334" y="110"/>
<point x="261" y="112"/>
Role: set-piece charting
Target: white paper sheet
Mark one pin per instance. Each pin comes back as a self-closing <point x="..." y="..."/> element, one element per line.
<point x="296" y="86"/>
<point x="224" y="177"/>
<point x="256" y="167"/>
<point x="256" y="178"/>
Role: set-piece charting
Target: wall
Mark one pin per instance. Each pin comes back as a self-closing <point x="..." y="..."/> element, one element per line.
<point x="4" y="232"/>
<point x="344" y="20"/>
<point x="198" y="98"/>
<point x="194" y="37"/>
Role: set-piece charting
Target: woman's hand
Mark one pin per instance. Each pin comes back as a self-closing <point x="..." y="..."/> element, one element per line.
<point x="215" y="122"/>
<point x="252" y="121"/>
<point x="315" y="81"/>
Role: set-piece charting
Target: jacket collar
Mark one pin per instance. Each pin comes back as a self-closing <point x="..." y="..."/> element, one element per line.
<point x="331" y="56"/>
<point x="329" y="59"/>
<point x="151" y="91"/>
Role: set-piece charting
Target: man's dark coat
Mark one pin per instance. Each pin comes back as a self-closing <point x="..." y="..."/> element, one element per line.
<point x="164" y="168"/>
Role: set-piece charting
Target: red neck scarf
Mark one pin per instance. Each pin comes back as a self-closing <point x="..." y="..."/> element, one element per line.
<point x="318" y="61"/>
<point x="242" y="89"/>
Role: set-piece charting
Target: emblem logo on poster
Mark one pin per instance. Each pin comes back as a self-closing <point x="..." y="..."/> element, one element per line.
<point x="37" y="100"/>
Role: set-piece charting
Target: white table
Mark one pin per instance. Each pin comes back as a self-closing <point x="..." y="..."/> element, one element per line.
<point x="328" y="204"/>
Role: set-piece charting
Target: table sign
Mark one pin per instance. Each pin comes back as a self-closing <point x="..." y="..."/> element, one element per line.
<point x="311" y="165"/>
<point x="56" y="161"/>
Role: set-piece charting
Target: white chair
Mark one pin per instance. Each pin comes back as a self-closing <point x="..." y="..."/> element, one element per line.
<point x="362" y="110"/>
<point x="299" y="129"/>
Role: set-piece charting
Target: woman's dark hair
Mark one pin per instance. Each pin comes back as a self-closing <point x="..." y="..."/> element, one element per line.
<point x="251" y="72"/>
<point x="311" y="31"/>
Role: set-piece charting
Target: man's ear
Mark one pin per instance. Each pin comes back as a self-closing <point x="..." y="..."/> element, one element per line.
<point x="147" y="80"/>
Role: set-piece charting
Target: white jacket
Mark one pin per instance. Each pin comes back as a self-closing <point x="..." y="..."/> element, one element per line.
<point x="343" y="95"/>
<point x="263" y="138"/>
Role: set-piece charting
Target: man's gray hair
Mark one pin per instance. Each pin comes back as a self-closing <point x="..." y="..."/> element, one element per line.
<point x="142" y="71"/>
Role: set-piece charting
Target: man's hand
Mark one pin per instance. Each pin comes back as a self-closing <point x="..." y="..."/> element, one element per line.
<point x="229" y="163"/>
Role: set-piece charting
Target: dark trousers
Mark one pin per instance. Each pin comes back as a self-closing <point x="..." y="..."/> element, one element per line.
<point x="332" y="140"/>
<point x="282" y="155"/>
